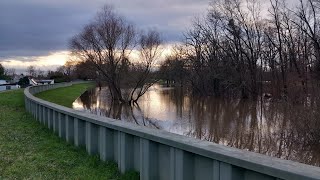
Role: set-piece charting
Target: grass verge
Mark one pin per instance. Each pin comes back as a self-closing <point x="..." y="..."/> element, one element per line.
<point x="29" y="150"/>
<point x="64" y="96"/>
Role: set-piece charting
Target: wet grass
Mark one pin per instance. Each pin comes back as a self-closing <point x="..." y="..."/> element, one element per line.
<point x="28" y="150"/>
<point x="64" y="96"/>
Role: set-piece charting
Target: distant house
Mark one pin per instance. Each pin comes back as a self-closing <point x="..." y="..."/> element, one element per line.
<point x="34" y="82"/>
<point x="5" y="85"/>
<point x="3" y="82"/>
<point x="45" y="82"/>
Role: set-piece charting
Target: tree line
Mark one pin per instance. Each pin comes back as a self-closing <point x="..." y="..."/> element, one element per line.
<point x="6" y="74"/>
<point x="240" y="50"/>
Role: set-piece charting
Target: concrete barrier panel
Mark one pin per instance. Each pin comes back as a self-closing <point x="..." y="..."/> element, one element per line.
<point x="92" y="132"/>
<point x="69" y="129"/>
<point x="62" y="125"/>
<point x="79" y="132"/>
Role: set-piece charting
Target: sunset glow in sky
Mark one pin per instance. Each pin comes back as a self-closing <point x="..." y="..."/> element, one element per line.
<point x="37" y="32"/>
<point x="46" y="62"/>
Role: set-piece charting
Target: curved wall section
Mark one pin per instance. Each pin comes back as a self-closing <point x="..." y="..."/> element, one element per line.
<point x="158" y="154"/>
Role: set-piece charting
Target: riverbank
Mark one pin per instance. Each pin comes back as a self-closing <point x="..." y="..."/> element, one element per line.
<point x="64" y="96"/>
<point x="29" y="150"/>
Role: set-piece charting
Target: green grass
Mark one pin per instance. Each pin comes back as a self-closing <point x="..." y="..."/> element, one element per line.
<point x="28" y="150"/>
<point x="64" y="96"/>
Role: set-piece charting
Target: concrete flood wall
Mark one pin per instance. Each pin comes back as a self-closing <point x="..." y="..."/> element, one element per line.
<point x="158" y="154"/>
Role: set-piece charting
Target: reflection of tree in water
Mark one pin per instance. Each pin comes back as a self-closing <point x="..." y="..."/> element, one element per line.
<point x="101" y="104"/>
<point x="88" y="98"/>
<point x="176" y="96"/>
<point x="273" y="128"/>
<point x="276" y="129"/>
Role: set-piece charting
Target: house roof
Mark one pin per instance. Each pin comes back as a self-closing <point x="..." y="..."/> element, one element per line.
<point x="3" y="81"/>
<point x="43" y="81"/>
<point x="11" y="84"/>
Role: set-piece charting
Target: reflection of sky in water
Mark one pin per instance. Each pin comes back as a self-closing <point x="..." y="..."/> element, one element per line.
<point x="270" y="129"/>
<point x="155" y="107"/>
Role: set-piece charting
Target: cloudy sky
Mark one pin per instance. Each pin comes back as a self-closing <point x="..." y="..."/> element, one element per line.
<point x="36" y="32"/>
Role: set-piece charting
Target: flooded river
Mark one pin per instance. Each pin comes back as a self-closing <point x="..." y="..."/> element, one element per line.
<point x="267" y="127"/>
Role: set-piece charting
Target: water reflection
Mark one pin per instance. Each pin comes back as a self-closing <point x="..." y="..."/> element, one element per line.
<point x="272" y="128"/>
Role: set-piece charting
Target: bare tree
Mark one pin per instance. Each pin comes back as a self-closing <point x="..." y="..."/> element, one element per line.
<point x="10" y="72"/>
<point x="40" y="73"/>
<point x="149" y="52"/>
<point x="308" y="13"/>
<point x="31" y="71"/>
<point x="237" y="51"/>
<point x="107" y="43"/>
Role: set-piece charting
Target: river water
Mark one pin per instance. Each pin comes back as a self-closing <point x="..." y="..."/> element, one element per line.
<point x="273" y="128"/>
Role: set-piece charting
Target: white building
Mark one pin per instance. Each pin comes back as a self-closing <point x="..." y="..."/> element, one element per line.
<point x="45" y="82"/>
<point x="34" y="82"/>
<point x="4" y="85"/>
<point x="3" y="82"/>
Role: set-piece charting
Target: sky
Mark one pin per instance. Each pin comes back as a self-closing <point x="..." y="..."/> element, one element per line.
<point x="37" y="32"/>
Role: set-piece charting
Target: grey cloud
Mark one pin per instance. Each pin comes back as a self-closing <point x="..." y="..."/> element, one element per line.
<point x="32" y="28"/>
<point x="37" y="27"/>
<point x="22" y="59"/>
